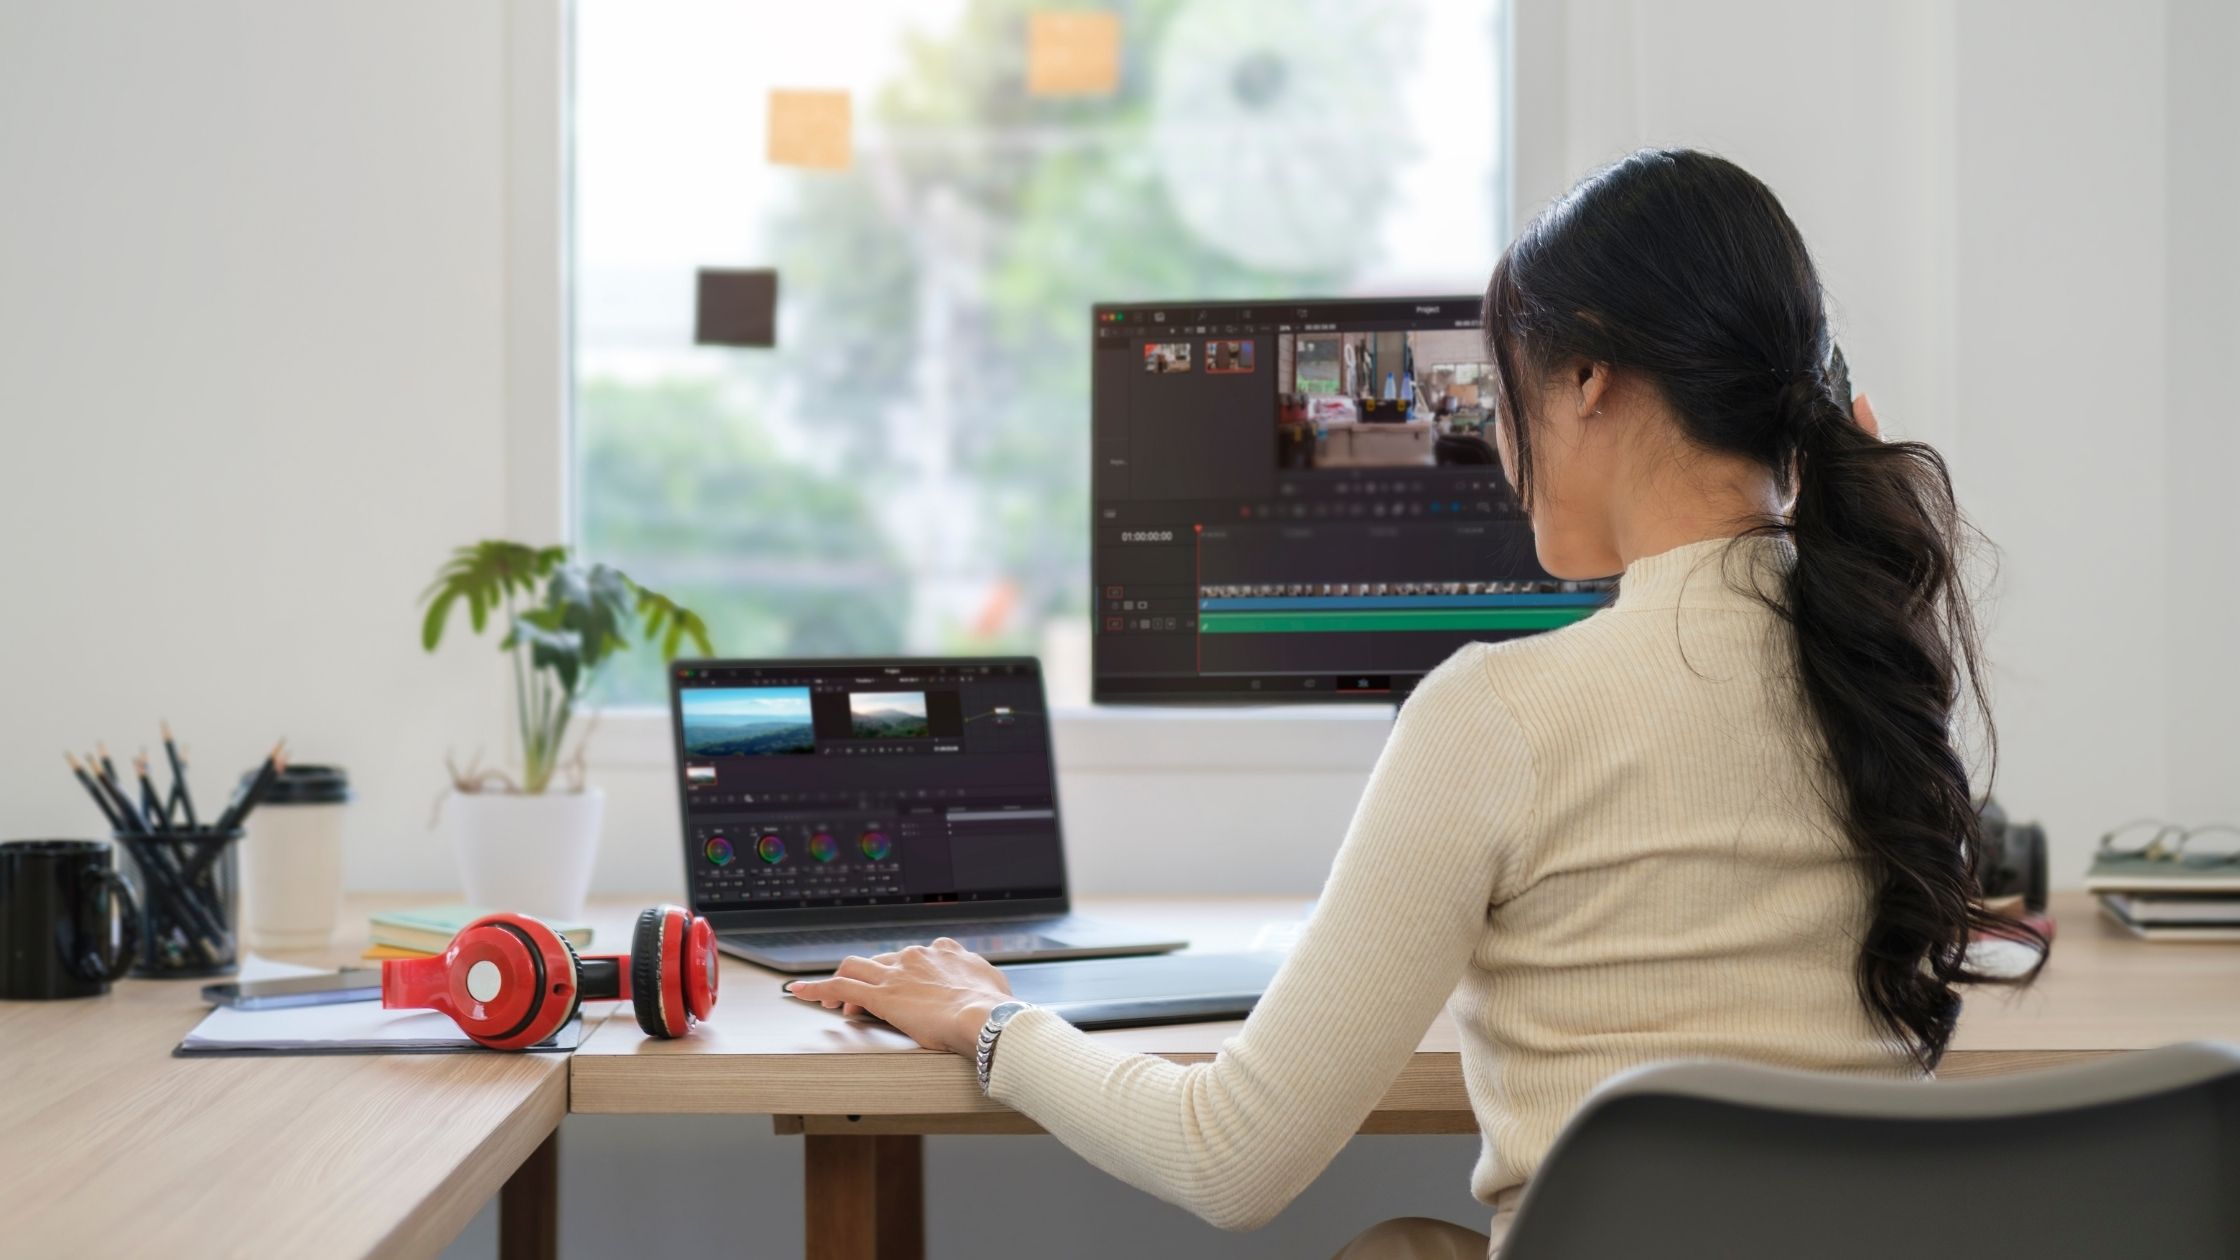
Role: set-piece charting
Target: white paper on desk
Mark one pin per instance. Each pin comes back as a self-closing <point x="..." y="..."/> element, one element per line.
<point x="1278" y="937"/>
<point x="336" y="1028"/>
<point x="2002" y="958"/>
<point x="259" y="967"/>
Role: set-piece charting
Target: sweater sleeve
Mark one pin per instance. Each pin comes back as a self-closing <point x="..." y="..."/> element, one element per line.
<point x="1234" y="1140"/>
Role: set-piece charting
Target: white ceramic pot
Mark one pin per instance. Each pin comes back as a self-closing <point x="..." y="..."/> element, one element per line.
<point x="526" y="854"/>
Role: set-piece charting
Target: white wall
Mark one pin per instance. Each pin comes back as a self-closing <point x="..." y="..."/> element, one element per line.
<point x="250" y="384"/>
<point x="1844" y="109"/>
<point x="2064" y="427"/>
<point x="2203" y="444"/>
<point x="1986" y="188"/>
<point x="253" y="285"/>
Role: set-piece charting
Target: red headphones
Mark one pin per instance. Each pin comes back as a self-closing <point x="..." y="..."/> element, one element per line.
<point x="510" y="982"/>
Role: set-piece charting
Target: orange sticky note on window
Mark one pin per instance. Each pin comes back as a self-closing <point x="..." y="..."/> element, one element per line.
<point x="810" y="128"/>
<point x="1073" y="53"/>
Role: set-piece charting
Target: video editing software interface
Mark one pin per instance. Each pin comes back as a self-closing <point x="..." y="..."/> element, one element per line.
<point x="858" y="784"/>
<point x="1302" y="501"/>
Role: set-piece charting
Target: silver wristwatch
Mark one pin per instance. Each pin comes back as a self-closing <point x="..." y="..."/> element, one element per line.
<point x="985" y="1057"/>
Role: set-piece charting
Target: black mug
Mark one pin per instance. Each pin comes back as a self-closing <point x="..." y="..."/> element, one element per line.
<point x="69" y="923"/>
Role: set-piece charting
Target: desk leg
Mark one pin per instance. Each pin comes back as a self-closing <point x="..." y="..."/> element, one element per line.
<point x="866" y="1197"/>
<point x="529" y="1206"/>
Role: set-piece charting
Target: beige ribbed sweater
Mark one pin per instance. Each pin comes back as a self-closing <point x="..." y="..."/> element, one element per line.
<point x="1598" y="847"/>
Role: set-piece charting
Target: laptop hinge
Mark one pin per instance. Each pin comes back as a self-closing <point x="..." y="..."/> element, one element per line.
<point x="863" y="927"/>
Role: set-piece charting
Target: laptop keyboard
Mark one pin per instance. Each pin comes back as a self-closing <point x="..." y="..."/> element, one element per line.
<point x="980" y="937"/>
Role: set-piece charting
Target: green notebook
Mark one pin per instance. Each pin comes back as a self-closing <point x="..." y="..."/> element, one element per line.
<point x="2192" y="872"/>
<point x="430" y="928"/>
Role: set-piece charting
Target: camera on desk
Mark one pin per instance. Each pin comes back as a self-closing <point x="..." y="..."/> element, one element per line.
<point x="2013" y="861"/>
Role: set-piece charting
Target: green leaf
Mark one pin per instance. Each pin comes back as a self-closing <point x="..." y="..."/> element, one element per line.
<point x="431" y="628"/>
<point x="552" y="644"/>
<point x="696" y="630"/>
<point x="484" y="576"/>
<point x="583" y="616"/>
<point x="607" y="615"/>
<point x="660" y="611"/>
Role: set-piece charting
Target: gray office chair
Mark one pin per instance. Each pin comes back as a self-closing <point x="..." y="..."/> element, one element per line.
<point x="2136" y="1155"/>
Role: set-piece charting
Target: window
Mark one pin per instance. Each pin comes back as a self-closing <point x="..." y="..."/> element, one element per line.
<point x="907" y="469"/>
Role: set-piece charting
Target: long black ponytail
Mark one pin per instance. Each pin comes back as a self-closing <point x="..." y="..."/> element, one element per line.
<point x="1683" y="267"/>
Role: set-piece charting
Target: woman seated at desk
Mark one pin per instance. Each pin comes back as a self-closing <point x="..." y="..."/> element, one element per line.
<point x="1722" y="817"/>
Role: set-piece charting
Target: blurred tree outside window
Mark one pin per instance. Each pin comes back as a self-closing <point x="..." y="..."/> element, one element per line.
<point x="907" y="470"/>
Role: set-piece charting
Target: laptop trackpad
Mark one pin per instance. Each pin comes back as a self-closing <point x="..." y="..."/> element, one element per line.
<point x="1009" y="942"/>
<point x="1168" y="988"/>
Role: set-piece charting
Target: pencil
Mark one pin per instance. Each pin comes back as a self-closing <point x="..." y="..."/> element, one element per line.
<point x="149" y="804"/>
<point x="105" y="774"/>
<point x="262" y="787"/>
<point x="166" y="874"/>
<point x="246" y="798"/>
<point x="179" y="776"/>
<point x="108" y="767"/>
<point x="93" y="790"/>
<point x="166" y="878"/>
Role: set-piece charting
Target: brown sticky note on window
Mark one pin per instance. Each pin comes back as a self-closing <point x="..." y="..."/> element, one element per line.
<point x="810" y="128"/>
<point x="736" y="308"/>
<point x="1073" y="53"/>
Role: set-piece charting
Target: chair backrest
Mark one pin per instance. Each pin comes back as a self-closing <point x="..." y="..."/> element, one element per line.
<point x="2132" y="1155"/>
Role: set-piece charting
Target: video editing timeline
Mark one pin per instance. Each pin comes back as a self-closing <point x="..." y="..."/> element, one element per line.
<point x="850" y="783"/>
<point x="1322" y="516"/>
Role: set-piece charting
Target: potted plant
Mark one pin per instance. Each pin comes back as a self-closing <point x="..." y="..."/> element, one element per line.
<point x="526" y="844"/>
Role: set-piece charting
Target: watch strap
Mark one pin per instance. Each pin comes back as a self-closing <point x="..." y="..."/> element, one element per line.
<point x="984" y="1056"/>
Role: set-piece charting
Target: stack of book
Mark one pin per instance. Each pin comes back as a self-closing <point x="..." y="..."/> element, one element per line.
<point x="426" y="930"/>
<point x="2193" y="897"/>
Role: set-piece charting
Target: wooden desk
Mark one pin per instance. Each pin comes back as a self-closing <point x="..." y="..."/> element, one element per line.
<point x="109" y="1146"/>
<point x="863" y="1095"/>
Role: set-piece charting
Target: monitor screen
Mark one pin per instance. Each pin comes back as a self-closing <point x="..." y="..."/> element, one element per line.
<point x="865" y="783"/>
<point x="1301" y="501"/>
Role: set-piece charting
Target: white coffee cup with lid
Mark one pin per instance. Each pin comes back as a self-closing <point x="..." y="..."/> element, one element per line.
<point x="291" y="860"/>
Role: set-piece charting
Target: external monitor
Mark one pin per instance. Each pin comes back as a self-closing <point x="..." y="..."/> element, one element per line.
<point x="1300" y="500"/>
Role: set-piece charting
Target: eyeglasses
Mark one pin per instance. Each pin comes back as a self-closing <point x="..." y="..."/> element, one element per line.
<point x="2166" y="842"/>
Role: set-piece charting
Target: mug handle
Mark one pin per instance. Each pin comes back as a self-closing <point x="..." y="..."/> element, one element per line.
<point x="127" y="935"/>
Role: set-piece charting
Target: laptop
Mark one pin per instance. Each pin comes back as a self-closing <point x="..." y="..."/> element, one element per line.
<point x="837" y="807"/>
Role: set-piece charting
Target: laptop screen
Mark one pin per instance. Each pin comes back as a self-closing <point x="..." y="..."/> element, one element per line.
<point x="865" y="783"/>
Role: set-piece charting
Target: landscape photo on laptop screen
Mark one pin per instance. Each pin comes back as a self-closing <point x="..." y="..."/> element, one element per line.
<point x="888" y="715"/>
<point x="747" y="722"/>
<point x="836" y="783"/>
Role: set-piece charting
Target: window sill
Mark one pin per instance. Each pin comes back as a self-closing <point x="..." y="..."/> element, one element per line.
<point x="1094" y="740"/>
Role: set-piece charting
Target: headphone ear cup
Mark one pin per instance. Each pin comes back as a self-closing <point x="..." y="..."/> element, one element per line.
<point x="699" y="967"/>
<point x="645" y="974"/>
<point x="543" y="968"/>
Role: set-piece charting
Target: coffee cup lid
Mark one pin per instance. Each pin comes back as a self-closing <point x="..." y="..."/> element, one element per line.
<point x="308" y="785"/>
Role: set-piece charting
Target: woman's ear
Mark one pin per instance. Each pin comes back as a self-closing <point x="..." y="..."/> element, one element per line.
<point x="1863" y="412"/>
<point x="1592" y="381"/>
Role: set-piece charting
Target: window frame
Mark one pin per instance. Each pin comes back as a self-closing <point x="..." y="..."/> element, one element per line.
<point x="539" y="385"/>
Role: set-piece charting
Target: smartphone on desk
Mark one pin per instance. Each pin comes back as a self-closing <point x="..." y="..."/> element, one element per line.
<point x="356" y="984"/>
